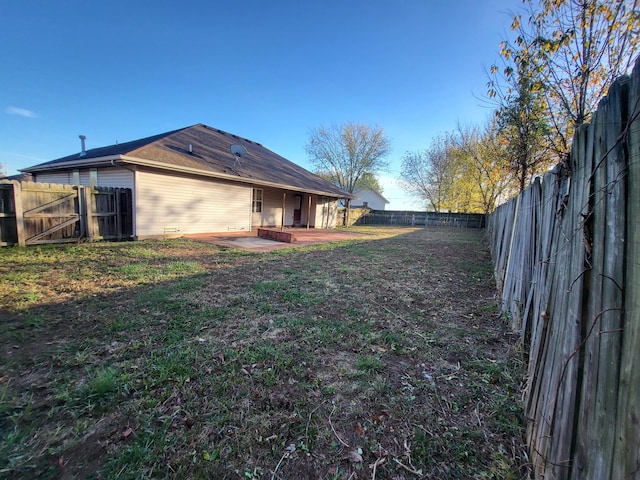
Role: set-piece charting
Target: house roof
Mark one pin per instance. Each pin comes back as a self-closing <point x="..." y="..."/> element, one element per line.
<point x="357" y="194"/>
<point x="21" y="177"/>
<point x="202" y="150"/>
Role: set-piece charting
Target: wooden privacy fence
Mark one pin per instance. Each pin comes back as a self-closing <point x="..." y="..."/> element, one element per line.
<point x="567" y="260"/>
<point x="427" y="219"/>
<point x="35" y="213"/>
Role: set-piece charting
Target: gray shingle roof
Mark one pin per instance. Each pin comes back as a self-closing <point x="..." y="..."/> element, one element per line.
<point x="203" y="150"/>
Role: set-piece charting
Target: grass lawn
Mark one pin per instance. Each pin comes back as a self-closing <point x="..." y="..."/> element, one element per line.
<point x="377" y="358"/>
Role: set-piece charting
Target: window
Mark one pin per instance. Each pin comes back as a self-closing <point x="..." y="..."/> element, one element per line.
<point x="257" y="200"/>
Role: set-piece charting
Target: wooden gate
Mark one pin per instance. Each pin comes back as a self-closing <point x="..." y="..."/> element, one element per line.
<point x="36" y="213"/>
<point x="108" y="213"/>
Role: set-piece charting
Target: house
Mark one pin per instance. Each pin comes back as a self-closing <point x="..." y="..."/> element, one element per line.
<point x="200" y="179"/>
<point x="368" y="198"/>
<point x="21" y="177"/>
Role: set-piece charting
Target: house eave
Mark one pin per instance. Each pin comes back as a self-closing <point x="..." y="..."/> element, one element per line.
<point x="223" y="176"/>
<point x="70" y="164"/>
<point x="115" y="160"/>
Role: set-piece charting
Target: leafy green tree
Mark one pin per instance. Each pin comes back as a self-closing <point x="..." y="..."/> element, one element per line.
<point x="466" y="171"/>
<point x="369" y="181"/>
<point x="484" y="161"/>
<point x="349" y="155"/>
<point x="522" y="121"/>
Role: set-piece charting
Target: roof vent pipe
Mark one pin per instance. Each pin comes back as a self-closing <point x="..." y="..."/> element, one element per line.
<point x="83" y="152"/>
<point x="190" y="148"/>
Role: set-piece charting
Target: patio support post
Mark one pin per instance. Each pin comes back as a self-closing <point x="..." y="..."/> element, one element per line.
<point x="346" y="217"/>
<point x="309" y="213"/>
<point x="284" y="197"/>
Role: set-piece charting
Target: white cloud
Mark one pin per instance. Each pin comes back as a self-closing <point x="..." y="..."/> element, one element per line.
<point x="22" y="112"/>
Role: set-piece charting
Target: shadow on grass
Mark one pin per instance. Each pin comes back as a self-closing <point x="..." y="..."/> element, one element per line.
<point x="180" y="359"/>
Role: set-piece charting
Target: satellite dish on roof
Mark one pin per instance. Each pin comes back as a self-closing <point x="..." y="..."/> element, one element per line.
<point x="238" y="150"/>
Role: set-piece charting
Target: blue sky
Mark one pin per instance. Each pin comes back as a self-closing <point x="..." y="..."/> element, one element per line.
<point x="265" y="70"/>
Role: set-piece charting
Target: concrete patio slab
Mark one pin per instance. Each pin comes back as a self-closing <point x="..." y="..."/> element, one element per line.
<point x="251" y="242"/>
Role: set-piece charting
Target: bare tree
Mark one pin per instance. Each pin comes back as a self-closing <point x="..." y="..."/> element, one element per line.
<point x="431" y="174"/>
<point x="572" y="50"/>
<point x="367" y="181"/>
<point x="467" y="171"/>
<point x="348" y="154"/>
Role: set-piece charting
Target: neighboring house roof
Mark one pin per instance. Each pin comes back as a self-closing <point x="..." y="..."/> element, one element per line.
<point x="201" y="150"/>
<point x="21" y="177"/>
<point x="359" y="193"/>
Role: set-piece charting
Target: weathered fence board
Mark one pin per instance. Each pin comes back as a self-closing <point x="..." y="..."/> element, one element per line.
<point x="500" y="232"/>
<point x="36" y="213"/>
<point x="627" y="423"/>
<point x="50" y="213"/>
<point x="566" y="260"/>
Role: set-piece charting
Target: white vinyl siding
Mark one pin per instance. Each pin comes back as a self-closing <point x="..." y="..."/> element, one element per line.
<point x="115" y="177"/>
<point x="326" y="210"/>
<point x="175" y="205"/>
<point x="64" y="178"/>
<point x="271" y="215"/>
<point x="85" y="177"/>
<point x="308" y="211"/>
<point x="107" y="177"/>
<point x="322" y="213"/>
<point x="372" y="199"/>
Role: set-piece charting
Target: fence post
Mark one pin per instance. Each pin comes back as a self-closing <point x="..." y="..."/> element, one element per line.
<point x="82" y="210"/>
<point x="118" y="205"/>
<point x="89" y="211"/>
<point x="17" y="202"/>
<point x="346" y="213"/>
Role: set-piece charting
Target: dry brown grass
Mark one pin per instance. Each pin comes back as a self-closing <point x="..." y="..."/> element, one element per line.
<point x="379" y="358"/>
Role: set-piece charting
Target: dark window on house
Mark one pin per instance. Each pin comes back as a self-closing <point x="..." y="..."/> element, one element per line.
<point x="257" y="200"/>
